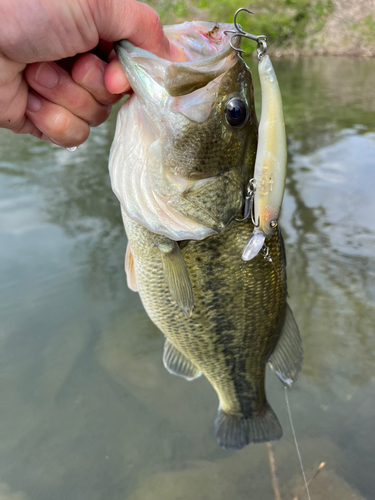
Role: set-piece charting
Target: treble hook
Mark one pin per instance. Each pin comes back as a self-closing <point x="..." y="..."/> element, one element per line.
<point x="266" y="254"/>
<point x="260" y="39"/>
<point x="248" y="212"/>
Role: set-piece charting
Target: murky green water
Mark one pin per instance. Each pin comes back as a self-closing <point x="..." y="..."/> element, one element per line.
<point x="88" y="411"/>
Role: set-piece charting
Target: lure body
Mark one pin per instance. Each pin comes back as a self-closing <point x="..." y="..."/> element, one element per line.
<point x="270" y="163"/>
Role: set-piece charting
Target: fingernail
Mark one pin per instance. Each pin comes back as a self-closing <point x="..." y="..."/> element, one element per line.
<point x="46" y="76"/>
<point x="94" y="78"/>
<point x="33" y="103"/>
<point x="49" y="139"/>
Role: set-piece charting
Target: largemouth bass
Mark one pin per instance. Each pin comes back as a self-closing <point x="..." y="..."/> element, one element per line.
<point x="182" y="156"/>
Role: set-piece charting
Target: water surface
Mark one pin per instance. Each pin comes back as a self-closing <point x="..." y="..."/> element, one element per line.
<point x="87" y="409"/>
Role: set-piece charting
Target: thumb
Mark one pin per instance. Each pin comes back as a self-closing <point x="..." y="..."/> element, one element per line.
<point x="131" y="20"/>
<point x="138" y="23"/>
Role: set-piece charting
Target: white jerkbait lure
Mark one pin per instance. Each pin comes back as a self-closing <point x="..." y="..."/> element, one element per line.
<point x="267" y="187"/>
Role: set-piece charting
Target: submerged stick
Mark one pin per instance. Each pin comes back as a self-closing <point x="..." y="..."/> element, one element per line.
<point x="309" y="481"/>
<point x="275" y="482"/>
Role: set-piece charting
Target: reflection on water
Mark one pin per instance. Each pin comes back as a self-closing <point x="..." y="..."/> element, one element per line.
<point x="88" y="410"/>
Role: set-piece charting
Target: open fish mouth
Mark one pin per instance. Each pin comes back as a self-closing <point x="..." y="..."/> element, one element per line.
<point x="208" y="54"/>
<point x="174" y="151"/>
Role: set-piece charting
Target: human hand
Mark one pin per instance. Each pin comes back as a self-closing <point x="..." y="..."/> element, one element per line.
<point x="40" y="97"/>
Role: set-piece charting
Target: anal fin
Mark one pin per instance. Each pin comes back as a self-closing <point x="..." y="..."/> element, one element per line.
<point x="177" y="275"/>
<point x="233" y="432"/>
<point x="129" y="270"/>
<point x="178" y="364"/>
<point x="286" y="359"/>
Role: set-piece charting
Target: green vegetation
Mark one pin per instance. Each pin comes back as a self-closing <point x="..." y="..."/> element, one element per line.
<point x="364" y="30"/>
<point x="287" y="23"/>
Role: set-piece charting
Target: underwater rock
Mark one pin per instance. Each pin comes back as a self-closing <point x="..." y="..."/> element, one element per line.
<point x="235" y="477"/>
<point x="246" y="474"/>
<point x="6" y="494"/>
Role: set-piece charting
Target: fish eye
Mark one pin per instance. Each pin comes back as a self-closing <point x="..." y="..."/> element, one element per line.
<point x="235" y="112"/>
<point x="273" y="223"/>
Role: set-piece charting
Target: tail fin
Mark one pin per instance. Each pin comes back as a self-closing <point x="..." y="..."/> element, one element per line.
<point x="234" y="431"/>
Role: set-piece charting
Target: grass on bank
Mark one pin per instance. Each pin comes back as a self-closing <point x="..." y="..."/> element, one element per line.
<point x="287" y="23"/>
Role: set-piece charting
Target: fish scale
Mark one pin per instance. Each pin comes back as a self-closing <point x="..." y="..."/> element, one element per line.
<point x="239" y="309"/>
<point x="202" y="140"/>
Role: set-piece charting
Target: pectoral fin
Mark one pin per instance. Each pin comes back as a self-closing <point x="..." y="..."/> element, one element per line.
<point x="286" y="359"/>
<point x="129" y="270"/>
<point x="177" y="275"/>
<point x="178" y="364"/>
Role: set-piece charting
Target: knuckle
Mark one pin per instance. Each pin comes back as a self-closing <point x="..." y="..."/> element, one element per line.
<point x="156" y="26"/>
<point x="154" y="20"/>
<point x="153" y="25"/>
<point x="69" y="130"/>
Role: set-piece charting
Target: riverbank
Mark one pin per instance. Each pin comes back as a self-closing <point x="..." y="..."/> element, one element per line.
<point x="361" y="51"/>
<point x="293" y="27"/>
<point x="349" y="30"/>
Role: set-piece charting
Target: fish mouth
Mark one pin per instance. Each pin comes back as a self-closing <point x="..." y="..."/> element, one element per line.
<point x="208" y="55"/>
<point x="158" y="187"/>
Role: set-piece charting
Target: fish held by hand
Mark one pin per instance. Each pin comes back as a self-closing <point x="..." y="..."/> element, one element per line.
<point x="182" y="156"/>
